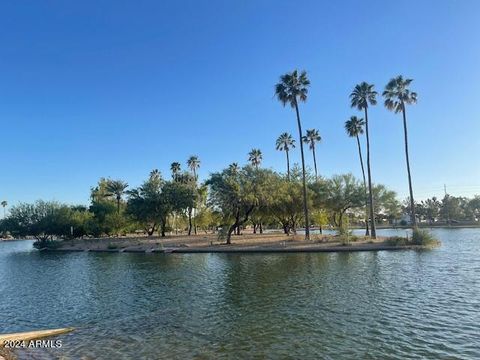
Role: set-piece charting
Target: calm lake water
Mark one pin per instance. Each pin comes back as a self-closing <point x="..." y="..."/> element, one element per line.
<point x="368" y="305"/>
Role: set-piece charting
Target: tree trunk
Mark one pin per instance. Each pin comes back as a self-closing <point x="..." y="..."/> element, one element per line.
<point x="367" y="232"/>
<point x="189" y="221"/>
<point x="305" y="204"/>
<point x="334" y="219"/>
<point x="118" y="205"/>
<point x="412" y="201"/>
<point x="288" y="166"/>
<point x="261" y="228"/>
<point x="163" y="225"/>
<point x="254" y="228"/>
<point x="370" y="194"/>
<point x="151" y="230"/>
<point x="195" y="221"/>
<point x="315" y="162"/>
<point x="238" y="223"/>
<point x="229" y="234"/>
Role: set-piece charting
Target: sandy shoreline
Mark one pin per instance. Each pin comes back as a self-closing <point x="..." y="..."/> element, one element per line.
<point x="248" y="243"/>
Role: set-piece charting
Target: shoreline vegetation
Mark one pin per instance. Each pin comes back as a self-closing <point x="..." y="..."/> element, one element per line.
<point x="246" y="243"/>
<point x="249" y="196"/>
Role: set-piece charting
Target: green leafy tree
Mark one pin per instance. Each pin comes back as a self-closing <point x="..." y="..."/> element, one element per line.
<point x="103" y="206"/>
<point x="145" y="203"/>
<point x="286" y="206"/>
<point x="386" y="204"/>
<point x="237" y="195"/>
<point x="451" y="209"/>
<point x="361" y="97"/>
<point x="292" y="89"/>
<point x="431" y="209"/>
<point x="255" y="157"/>
<point x="188" y="180"/>
<point x="339" y="194"/>
<point x="285" y="142"/>
<point x="397" y="95"/>
<point x="354" y="128"/>
<point x="311" y="138"/>
<point x="474" y="206"/>
<point x="156" y="199"/>
<point x="44" y="220"/>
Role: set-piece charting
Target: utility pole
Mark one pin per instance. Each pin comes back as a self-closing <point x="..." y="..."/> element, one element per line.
<point x="448" y="209"/>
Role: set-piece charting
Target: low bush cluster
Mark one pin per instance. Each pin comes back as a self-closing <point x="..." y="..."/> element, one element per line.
<point x="419" y="237"/>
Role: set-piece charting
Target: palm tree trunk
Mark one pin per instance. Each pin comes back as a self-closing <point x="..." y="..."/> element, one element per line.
<point x="305" y="205"/>
<point x="118" y="205"/>
<point x="412" y="201"/>
<point x="370" y="194"/>
<point x="288" y="166"/>
<point x="315" y="162"/>
<point x="367" y="232"/>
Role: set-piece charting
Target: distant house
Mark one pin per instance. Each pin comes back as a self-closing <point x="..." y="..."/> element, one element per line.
<point x="404" y="219"/>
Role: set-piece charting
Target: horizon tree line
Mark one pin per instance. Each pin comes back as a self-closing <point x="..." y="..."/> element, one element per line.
<point x="291" y="90"/>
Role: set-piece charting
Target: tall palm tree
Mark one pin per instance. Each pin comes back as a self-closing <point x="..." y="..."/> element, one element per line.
<point x="285" y="142"/>
<point x="175" y="168"/>
<point x="233" y="168"/>
<point x="4" y="205"/>
<point x="311" y="138"/>
<point x="155" y="173"/>
<point x="255" y="157"/>
<point x="292" y="88"/>
<point x="354" y="128"/>
<point x="193" y="164"/>
<point x="397" y="95"/>
<point x="361" y="97"/>
<point x="117" y="188"/>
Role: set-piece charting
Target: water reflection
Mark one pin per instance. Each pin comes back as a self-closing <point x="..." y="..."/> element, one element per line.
<point x="339" y="305"/>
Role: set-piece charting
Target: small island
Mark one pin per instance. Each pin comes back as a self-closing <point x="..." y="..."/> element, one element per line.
<point x="273" y="242"/>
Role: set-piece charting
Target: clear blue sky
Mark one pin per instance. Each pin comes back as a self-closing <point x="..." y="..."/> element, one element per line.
<point x="117" y="88"/>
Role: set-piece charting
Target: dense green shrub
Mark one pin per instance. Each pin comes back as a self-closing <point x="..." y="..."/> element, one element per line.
<point x="47" y="244"/>
<point x="424" y="238"/>
<point x="419" y="237"/>
<point x="397" y="241"/>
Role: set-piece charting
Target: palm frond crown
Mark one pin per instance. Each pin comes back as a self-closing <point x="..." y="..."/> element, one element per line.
<point x="193" y="162"/>
<point x="175" y="168"/>
<point x="354" y="126"/>
<point x="363" y="95"/>
<point x="285" y="142"/>
<point x="255" y="157"/>
<point x="293" y="87"/>
<point x="311" y="138"/>
<point x="116" y="188"/>
<point x="397" y="94"/>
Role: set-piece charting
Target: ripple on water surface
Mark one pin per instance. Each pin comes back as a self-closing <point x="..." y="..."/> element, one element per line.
<point x="396" y="305"/>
